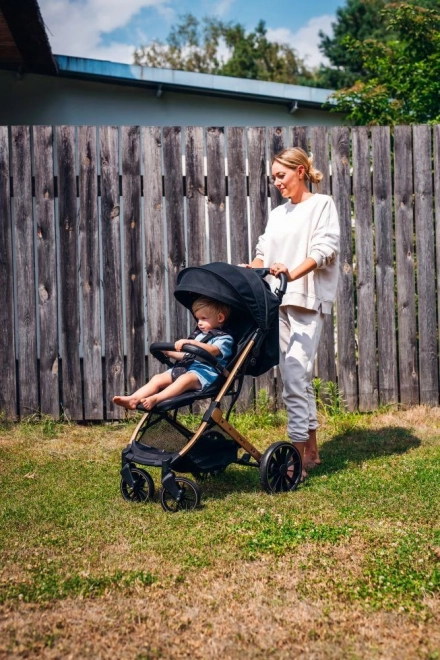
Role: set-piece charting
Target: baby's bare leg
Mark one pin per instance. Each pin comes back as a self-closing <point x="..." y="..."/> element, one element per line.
<point x="184" y="383"/>
<point x="153" y="386"/>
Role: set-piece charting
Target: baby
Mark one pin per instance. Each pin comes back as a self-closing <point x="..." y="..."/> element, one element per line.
<point x="210" y="315"/>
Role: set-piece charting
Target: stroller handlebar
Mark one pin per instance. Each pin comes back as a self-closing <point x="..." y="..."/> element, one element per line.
<point x="156" y="349"/>
<point x="281" y="290"/>
<point x="197" y="351"/>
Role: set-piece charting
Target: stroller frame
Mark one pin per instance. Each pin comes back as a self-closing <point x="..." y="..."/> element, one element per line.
<point x="280" y="465"/>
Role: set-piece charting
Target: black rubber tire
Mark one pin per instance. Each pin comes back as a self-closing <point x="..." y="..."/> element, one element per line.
<point x="280" y="468"/>
<point x="143" y="490"/>
<point x="190" y="498"/>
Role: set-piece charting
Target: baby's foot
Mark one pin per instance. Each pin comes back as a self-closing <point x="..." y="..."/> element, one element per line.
<point x="128" y="402"/>
<point x="149" y="402"/>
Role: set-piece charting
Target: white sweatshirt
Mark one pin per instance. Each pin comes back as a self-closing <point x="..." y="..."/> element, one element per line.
<point x="295" y="232"/>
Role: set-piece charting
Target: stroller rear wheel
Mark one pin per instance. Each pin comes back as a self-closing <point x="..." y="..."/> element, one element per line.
<point x="189" y="496"/>
<point x="280" y="468"/>
<point x="143" y="489"/>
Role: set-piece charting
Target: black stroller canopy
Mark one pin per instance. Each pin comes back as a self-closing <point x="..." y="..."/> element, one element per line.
<point x="241" y="288"/>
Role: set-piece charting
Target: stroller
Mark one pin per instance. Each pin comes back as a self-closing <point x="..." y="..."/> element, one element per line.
<point x="161" y="440"/>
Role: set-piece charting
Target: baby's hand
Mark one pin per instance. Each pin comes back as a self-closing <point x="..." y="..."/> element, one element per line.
<point x="180" y="343"/>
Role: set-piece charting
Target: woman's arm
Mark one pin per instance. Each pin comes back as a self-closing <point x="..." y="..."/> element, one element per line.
<point x="303" y="269"/>
<point x="256" y="263"/>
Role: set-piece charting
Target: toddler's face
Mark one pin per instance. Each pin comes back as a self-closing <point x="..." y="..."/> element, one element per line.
<point x="207" y="319"/>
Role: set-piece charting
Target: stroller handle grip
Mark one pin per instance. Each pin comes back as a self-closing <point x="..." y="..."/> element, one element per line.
<point x="203" y="355"/>
<point x="156" y="349"/>
<point x="281" y="290"/>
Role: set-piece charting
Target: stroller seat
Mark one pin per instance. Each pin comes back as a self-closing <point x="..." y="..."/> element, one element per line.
<point x="187" y="398"/>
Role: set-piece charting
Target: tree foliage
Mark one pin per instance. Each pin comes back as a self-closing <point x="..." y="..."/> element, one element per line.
<point x="356" y="21"/>
<point x="212" y="46"/>
<point x="401" y="83"/>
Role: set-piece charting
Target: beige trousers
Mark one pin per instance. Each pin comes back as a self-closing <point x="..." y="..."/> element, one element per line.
<point x="300" y="330"/>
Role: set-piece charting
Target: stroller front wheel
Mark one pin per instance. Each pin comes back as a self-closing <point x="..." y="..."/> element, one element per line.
<point x="188" y="499"/>
<point x="280" y="468"/>
<point x="143" y="488"/>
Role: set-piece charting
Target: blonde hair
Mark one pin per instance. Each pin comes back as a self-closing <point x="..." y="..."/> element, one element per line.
<point x="212" y="305"/>
<point x="295" y="156"/>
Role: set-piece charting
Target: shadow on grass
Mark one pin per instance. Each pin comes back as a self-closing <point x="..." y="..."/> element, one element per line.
<point x="346" y="449"/>
<point x="357" y="446"/>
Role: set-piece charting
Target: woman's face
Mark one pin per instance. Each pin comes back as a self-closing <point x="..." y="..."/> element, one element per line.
<point x="290" y="182"/>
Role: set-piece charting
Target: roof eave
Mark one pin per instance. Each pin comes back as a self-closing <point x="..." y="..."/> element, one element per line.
<point x="163" y="80"/>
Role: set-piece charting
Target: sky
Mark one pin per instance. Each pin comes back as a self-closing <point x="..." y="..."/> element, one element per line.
<point x="112" y="29"/>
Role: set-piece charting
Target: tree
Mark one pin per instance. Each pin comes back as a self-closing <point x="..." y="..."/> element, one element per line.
<point x="212" y="46"/>
<point x="402" y="76"/>
<point x="357" y="21"/>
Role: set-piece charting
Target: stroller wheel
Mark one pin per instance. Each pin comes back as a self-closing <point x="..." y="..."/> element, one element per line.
<point x="189" y="496"/>
<point x="143" y="489"/>
<point x="280" y="468"/>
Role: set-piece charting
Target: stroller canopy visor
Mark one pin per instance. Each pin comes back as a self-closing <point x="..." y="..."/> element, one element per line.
<point x="241" y="288"/>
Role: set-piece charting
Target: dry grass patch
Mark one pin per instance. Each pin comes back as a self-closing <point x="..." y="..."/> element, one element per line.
<point x="250" y="611"/>
<point x="345" y="567"/>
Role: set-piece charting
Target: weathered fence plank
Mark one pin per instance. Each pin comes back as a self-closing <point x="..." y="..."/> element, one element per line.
<point x="406" y="299"/>
<point x="72" y="397"/>
<point x="216" y="191"/>
<point x="426" y="296"/>
<point x="8" y="390"/>
<point x="89" y="273"/>
<point x="25" y="271"/>
<point x="258" y="206"/>
<point x="298" y="137"/>
<point x="385" y="301"/>
<point x="195" y="196"/>
<point x="258" y="212"/>
<point x="154" y="241"/>
<point x="326" y="365"/>
<point x="368" y="394"/>
<point x="47" y="270"/>
<point x="111" y="253"/>
<point x="134" y="307"/>
<point x="237" y="193"/>
<point x="436" y="149"/>
<point x="238" y="224"/>
<point x="276" y="142"/>
<point x="341" y="189"/>
<point x="172" y="160"/>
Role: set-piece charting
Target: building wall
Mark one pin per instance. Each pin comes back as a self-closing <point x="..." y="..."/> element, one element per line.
<point x="36" y="99"/>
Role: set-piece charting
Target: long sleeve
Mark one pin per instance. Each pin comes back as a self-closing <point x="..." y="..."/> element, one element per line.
<point x="324" y="244"/>
<point x="295" y="232"/>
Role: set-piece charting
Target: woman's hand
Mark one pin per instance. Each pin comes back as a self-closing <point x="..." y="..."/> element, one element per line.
<point x="277" y="268"/>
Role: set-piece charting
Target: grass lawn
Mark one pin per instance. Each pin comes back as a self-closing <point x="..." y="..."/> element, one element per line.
<point x="348" y="566"/>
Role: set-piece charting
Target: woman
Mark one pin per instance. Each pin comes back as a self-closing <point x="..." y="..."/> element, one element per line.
<point x="301" y="240"/>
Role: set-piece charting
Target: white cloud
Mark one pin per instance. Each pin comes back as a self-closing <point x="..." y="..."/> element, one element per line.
<point x="305" y="40"/>
<point x="75" y="28"/>
<point x="222" y="8"/>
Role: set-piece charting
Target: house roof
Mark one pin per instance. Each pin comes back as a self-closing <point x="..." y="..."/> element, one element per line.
<point x="24" y="44"/>
<point x="23" y="38"/>
<point x="187" y="81"/>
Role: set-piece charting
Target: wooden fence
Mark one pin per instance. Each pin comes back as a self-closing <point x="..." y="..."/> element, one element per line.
<point x="96" y="223"/>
